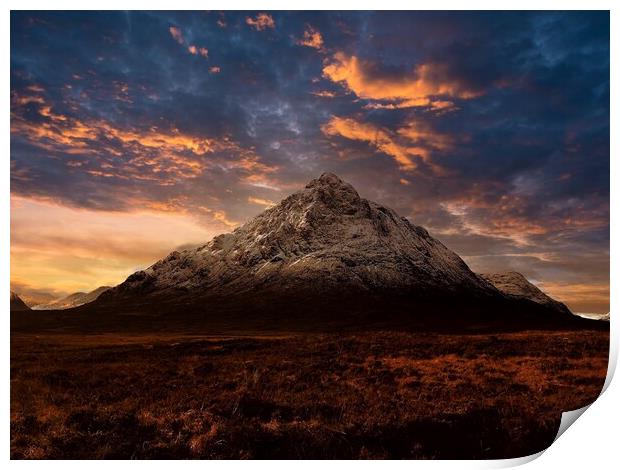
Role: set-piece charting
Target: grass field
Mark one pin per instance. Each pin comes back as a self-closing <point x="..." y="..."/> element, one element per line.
<point x="366" y="395"/>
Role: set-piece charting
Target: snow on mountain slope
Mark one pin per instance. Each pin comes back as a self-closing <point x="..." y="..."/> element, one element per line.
<point x="595" y="316"/>
<point x="73" y="300"/>
<point x="323" y="238"/>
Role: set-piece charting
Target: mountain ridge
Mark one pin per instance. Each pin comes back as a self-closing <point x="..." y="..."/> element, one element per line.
<point x="72" y="300"/>
<point x="516" y="285"/>
<point x="323" y="258"/>
<point x="323" y="235"/>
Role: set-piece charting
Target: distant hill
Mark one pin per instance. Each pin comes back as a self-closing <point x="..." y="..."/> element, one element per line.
<point x="73" y="300"/>
<point x="595" y="316"/>
<point x="516" y="286"/>
<point x="17" y="304"/>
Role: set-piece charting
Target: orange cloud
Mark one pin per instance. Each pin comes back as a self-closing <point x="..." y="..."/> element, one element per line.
<point x="24" y="100"/>
<point x="419" y="133"/>
<point x="508" y="216"/>
<point x="422" y="87"/>
<point x="311" y="38"/>
<point x="585" y="297"/>
<point x="220" y="216"/>
<point x="261" y="202"/>
<point x="375" y="136"/>
<point x="158" y="155"/>
<point x="261" y="22"/>
<point x="481" y="214"/>
<point x="177" y="34"/>
<point x="194" y="50"/>
<point x="415" y="140"/>
<point x="261" y="180"/>
<point x="442" y="105"/>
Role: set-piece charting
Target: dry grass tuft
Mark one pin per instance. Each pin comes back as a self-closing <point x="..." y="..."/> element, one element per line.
<point x="370" y="395"/>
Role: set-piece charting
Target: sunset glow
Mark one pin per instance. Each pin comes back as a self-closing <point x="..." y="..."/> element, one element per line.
<point x="138" y="133"/>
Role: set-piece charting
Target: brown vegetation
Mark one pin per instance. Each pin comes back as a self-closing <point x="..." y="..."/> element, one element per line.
<point x="366" y="395"/>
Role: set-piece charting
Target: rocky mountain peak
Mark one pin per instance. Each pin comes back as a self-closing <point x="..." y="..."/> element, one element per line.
<point x="332" y="191"/>
<point x="328" y="179"/>
<point x="323" y="238"/>
<point x="327" y="194"/>
<point x="326" y="256"/>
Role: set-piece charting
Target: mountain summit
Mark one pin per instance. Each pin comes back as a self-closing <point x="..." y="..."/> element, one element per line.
<point x="323" y="257"/>
<point x="321" y="239"/>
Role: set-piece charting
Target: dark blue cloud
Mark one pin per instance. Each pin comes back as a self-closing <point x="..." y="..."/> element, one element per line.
<point x="534" y="129"/>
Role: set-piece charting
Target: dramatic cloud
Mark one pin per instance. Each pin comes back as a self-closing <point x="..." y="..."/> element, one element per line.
<point x="419" y="133"/>
<point x="582" y="297"/>
<point x="510" y="215"/>
<point x="311" y="38"/>
<point x="261" y="22"/>
<point x="408" y="144"/>
<point x="106" y="151"/>
<point x="378" y="138"/>
<point x="261" y="202"/>
<point x="419" y="87"/>
<point x="490" y="129"/>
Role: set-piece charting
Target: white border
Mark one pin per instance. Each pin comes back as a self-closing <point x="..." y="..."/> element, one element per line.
<point x="592" y="443"/>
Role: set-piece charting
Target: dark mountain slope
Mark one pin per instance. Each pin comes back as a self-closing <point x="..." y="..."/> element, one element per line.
<point x="17" y="304"/>
<point x="516" y="286"/>
<point x="322" y="258"/>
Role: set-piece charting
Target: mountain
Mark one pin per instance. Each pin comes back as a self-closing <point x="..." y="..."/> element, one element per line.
<point x="322" y="259"/>
<point x="323" y="255"/>
<point x="320" y="240"/>
<point x="595" y="316"/>
<point x="516" y="286"/>
<point x="73" y="300"/>
<point x="17" y="304"/>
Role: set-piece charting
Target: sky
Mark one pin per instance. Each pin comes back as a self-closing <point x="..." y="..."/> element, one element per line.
<point x="137" y="133"/>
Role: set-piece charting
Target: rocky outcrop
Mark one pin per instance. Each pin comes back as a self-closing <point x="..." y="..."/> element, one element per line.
<point x="17" y="304"/>
<point x="516" y="286"/>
